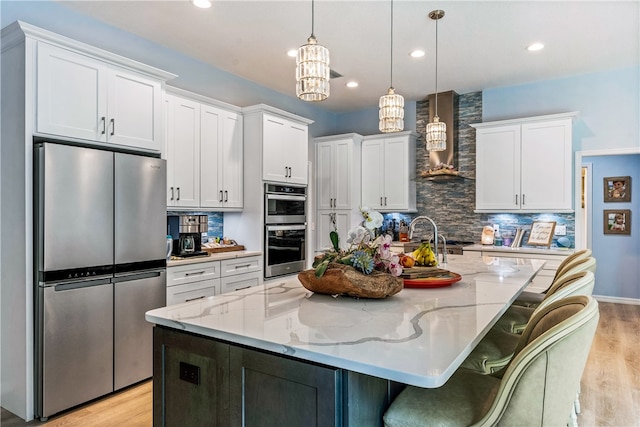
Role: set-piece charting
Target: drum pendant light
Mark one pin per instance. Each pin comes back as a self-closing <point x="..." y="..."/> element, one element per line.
<point x="436" y="132"/>
<point x="312" y="68"/>
<point x="392" y="104"/>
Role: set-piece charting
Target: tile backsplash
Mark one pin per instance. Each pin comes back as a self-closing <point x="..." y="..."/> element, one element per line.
<point x="215" y="220"/>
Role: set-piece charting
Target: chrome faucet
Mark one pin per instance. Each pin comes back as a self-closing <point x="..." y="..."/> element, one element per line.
<point x="435" y="231"/>
<point x="444" y="249"/>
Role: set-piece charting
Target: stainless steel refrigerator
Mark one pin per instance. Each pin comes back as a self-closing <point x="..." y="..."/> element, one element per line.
<point x="100" y="261"/>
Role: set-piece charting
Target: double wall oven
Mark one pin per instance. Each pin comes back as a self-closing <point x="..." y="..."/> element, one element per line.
<point x="285" y="229"/>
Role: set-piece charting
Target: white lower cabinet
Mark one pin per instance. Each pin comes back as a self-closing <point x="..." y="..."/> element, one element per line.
<point x="193" y="281"/>
<point x="208" y="278"/>
<point x="240" y="273"/>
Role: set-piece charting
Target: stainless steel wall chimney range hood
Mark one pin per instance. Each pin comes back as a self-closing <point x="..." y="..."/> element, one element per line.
<point x="448" y="113"/>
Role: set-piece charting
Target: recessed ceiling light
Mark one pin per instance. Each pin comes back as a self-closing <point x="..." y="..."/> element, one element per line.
<point x="292" y="53"/>
<point x="203" y="4"/>
<point x="417" y="53"/>
<point x="352" y="84"/>
<point x="535" y="46"/>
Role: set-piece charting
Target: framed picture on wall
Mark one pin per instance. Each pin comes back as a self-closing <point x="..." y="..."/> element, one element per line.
<point x="617" y="189"/>
<point x="617" y="221"/>
<point x="541" y="233"/>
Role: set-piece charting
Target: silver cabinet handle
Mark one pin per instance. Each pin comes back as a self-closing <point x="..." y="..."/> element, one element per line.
<point x="171" y="193"/>
<point x="113" y="126"/>
<point x="193" y="299"/>
<point x="226" y="196"/>
<point x="104" y="125"/>
<point x="286" y="172"/>
<point x="246" y="287"/>
<point x="220" y="199"/>
<point x="385" y="200"/>
<point x="178" y="198"/>
<point x="381" y="201"/>
<point x="523" y="200"/>
<point x="195" y="273"/>
<point x="516" y="200"/>
<point x="242" y="266"/>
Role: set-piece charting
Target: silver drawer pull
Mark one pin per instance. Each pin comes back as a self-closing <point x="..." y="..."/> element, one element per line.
<point x="195" y="273"/>
<point x="193" y="299"/>
<point x="243" y="266"/>
<point x="246" y="287"/>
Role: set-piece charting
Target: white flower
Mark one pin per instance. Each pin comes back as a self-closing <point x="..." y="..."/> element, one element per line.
<point x="372" y="219"/>
<point x="357" y="235"/>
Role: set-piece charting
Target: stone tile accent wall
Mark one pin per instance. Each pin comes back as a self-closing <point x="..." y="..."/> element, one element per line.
<point x="451" y="203"/>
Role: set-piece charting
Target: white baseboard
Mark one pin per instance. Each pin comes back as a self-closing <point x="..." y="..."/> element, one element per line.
<point x="617" y="300"/>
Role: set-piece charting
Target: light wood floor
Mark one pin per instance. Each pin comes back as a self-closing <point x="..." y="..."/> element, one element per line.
<point x="610" y="384"/>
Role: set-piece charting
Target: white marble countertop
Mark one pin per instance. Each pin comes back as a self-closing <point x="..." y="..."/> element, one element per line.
<point x="212" y="257"/>
<point x="522" y="250"/>
<point x="418" y="336"/>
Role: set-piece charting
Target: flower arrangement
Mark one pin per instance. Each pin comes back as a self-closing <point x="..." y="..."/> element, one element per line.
<point x="367" y="251"/>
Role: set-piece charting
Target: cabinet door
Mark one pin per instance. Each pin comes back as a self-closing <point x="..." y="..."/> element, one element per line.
<point x="184" y="143"/>
<point x="71" y="94"/>
<point x="296" y="153"/>
<point x="342" y="172"/>
<point x="232" y="158"/>
<point x="373" y="174"/>
<point x="191" y="380"/>
<point x="325" y="225"/>
<point x="396" y="174"/>
<point x="546" y="165"/>
<point x="211" y="165"/>
<point x="325" y="175"/>
<point x="273" y="135"/>
<point x="305" y="394"/>
<point x="134" y="110"/>
<point x="498" y="168"/>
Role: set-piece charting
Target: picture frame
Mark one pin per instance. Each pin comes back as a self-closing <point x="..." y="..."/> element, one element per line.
<point x="617" y="221"/>
<point x="541" y="233"/>
<point x="617" y="189"/>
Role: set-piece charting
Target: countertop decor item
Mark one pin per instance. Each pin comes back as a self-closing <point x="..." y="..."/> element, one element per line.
<point x="439" y="281"/>
<point x="342" y="279"/>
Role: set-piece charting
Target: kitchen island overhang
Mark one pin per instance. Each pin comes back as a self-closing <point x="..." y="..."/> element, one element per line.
<point x="417" y="337"/>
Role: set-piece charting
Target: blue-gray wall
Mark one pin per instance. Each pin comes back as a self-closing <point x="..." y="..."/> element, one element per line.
<point x="618" y="255"/>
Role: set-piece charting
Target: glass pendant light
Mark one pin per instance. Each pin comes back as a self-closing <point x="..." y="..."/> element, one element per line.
<point x="312" y="68"/>
<point x="392" y="104"/>
<point x="436" y="132"/>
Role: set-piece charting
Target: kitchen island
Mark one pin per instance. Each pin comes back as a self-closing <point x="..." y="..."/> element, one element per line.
<point x="278" y="354"/>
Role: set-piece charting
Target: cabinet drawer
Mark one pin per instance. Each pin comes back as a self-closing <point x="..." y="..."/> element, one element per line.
<point x="230" y="267"/>
<point x="192" y="273"/>
<point x="240" y="281"/>
<point x="192" y="291"/>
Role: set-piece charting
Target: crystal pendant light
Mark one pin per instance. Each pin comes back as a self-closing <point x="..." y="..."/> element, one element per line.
<point x="436" y="132"/>
<point x="392" y="104"/>
<point x="312" y="68"/>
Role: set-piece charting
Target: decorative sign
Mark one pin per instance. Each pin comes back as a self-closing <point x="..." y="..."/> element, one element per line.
<point x="541" y="233"/>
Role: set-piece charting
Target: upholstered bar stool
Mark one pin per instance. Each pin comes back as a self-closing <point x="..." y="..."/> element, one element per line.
<point x="536" y="388"/>
<point x="532" y="299"/>
<point x="497" y="347"/>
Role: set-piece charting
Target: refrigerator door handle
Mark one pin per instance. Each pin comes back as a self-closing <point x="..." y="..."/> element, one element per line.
<point x="78" y="285"/>
<point x="137" y="276"/>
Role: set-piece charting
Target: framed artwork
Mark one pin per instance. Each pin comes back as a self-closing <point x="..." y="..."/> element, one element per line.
<point x="617" y="189"/>
<point x="617" y="221"/>
<point x="541" y="233"/>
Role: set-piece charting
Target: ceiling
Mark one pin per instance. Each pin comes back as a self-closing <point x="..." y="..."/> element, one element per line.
<point x="481" y="43"/>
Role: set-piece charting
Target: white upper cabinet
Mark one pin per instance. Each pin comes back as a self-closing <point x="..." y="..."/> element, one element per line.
<point x="221" y="161"/>
<point x="389" y="172"/>
<point x="525" y="165"/>
<point x="79" y="96"/>
<point x="337" y="160"/>
<point x="204" y="152"/>
<point x="285" y="150"/>
<point x="183" y="152"/>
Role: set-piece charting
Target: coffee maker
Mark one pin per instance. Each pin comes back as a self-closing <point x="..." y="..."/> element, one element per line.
<point x="186" y="232"/>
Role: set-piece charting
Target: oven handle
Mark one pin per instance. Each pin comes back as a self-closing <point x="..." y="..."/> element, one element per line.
<point x="285" y="197"/>
<point x="286" y="227"/>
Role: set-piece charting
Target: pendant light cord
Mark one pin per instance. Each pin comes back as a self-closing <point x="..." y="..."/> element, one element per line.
<point x="437" y="66"/>
<point x="312" y="16"/>
<point x="391" y="82"/>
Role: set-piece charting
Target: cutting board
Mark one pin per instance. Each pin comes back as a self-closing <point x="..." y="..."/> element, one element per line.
<point x="229" y="248"/>
<point x="419" y="272"/>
